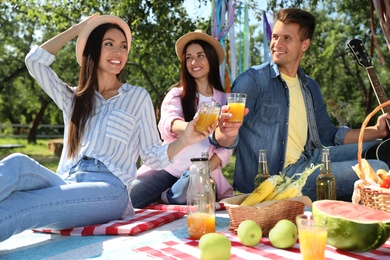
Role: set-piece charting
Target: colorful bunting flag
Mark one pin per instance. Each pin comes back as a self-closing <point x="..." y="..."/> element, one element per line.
<point x="224" y="13"/>
<point x="267" y="34"/>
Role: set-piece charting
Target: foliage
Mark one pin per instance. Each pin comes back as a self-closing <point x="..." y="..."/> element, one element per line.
<point x="38" y="151"/>
<point x="344" y="84"/>
<point x="41" y="153"/>
<point x="153" y="64"/>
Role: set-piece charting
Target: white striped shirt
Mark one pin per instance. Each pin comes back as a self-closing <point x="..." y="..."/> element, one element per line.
<point x="119" y="129"/>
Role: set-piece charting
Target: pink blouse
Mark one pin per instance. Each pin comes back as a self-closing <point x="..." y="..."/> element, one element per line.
<point x="171" y="110"/>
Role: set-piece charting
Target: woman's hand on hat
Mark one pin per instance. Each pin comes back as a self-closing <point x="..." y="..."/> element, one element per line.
<point x="80" y="26"/>
<point x="54" y="44"/>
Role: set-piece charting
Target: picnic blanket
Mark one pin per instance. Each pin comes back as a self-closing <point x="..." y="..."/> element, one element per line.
<point x="188" y="249"/>
<point x="147" y="218"/>
<point x="143" y="220"/>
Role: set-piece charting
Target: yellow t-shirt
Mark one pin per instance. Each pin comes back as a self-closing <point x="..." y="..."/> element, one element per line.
<point x="297" y="121"/>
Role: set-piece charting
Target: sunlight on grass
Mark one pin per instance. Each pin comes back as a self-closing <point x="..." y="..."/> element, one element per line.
<point x="228" y="170"/>
<point x="42" y="154"/>
<point x="38" y="151"/>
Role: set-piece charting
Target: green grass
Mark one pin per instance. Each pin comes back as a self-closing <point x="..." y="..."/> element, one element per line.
<point x="38" y="151"/>
<point x="41" y="154"/>
<point x="228" y="170"/>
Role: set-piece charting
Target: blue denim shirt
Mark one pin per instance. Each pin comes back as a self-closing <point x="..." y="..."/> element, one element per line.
<point x="266" y="125"/>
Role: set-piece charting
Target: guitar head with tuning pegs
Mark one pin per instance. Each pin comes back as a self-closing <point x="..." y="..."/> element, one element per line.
<point x="379" y="151"/>
<point x="359" y="53"/>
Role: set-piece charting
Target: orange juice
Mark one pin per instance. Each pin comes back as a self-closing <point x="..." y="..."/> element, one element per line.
<point x="312" y="242"/>
<point x="205" y="120"/>
<point x="237" y="109"/>
<point x="200" y="224"/>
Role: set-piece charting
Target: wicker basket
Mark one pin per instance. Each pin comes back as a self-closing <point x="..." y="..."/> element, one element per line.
<point x="372" y="196"/>
<point x="266" y="216"/>
<point x="375" y="197"/>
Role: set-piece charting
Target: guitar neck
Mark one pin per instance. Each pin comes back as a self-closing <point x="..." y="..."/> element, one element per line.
<point x="378" y="89"/>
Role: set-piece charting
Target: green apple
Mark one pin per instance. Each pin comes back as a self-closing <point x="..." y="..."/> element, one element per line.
<point x="283" y="234"/>
<point x="249" y="232"/>
<point x="214" y="246"/>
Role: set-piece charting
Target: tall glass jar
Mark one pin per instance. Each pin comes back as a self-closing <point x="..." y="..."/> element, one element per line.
<point x="200" y="200"/>
<point x="213" y="185"/>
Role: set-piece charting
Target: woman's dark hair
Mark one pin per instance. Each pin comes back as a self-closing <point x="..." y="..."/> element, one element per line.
<point x="189" y="100"/>
<point x="88" y="82"/>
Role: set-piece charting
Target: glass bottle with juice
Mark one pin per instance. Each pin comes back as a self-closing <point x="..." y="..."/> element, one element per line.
<point x="262" y="171"/>
<point x="213" y="185"/>
<point x="326" y="183"/>
<point x="200" y="200"/>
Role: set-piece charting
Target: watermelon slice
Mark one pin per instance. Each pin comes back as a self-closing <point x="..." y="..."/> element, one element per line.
<point x="353" y="227"/>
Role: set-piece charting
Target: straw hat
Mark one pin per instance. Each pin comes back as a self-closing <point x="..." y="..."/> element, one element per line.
<point x="91" y="25"/>
<point x="199" y="35"/>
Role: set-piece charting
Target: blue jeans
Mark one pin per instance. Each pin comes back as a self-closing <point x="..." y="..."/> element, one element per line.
<point x="342" y="157"/>
<point x="31" y="196"/>
<point x="149" y="187"/>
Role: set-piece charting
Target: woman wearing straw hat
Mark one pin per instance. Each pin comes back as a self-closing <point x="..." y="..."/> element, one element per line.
<point x="200" y="55"/>
<point x="108" y="124"/>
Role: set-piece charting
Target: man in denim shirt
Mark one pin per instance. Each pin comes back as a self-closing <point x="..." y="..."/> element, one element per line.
<point x="287" y="115"/>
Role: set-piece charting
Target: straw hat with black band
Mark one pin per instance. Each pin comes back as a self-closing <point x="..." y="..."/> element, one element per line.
<point x="199" y="35"/>
<point x="91" y="25"/>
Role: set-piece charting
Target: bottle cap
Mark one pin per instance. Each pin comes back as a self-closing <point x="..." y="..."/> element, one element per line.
<point x="198" y="159"/>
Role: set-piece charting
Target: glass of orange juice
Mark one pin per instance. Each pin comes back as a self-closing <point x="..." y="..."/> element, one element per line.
<point x="200" y="224"/>
<point x="312" y="237"/>
<point x="236" y="102"/>
<point x="208" y="113"/>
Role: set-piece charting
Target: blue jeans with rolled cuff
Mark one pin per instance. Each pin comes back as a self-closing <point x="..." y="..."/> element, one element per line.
<point x="32" y="196"/>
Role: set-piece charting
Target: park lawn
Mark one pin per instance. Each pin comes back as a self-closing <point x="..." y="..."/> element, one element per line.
<point x="38" y="151"/>
<point x="42" y="154"/>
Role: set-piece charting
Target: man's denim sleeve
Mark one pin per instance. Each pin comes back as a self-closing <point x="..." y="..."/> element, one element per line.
<point x="340" y="135"/>
<point x="214" y="142"/>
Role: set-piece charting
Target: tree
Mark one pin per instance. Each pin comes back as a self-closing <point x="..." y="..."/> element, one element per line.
<point x="153" y="64"/>
<point x="344" y="84"/>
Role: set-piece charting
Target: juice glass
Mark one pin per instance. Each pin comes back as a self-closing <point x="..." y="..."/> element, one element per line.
<point x="236" y="102"/>
<point x="200" y="224"/>
<point x="208" y="113"/>
<point x="312" y="237"/>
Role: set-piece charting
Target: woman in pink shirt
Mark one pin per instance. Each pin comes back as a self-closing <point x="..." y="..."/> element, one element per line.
<point x="200" y="55"/>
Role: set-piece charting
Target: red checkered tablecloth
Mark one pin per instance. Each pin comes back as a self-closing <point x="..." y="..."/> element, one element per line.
<point x="143" y="220"/>
<point x="147" y="218"/>
<point x="188" y="249"/>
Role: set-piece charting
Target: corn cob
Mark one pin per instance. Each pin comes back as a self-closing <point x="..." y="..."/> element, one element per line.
<point x="261" y="192"/>
<point x="280" y="187"/>
<point x="291" y="191"/>
<point x="295" y="188"/>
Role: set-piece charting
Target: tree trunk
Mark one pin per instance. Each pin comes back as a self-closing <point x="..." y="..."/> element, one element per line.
<point x="32" y="133"/>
